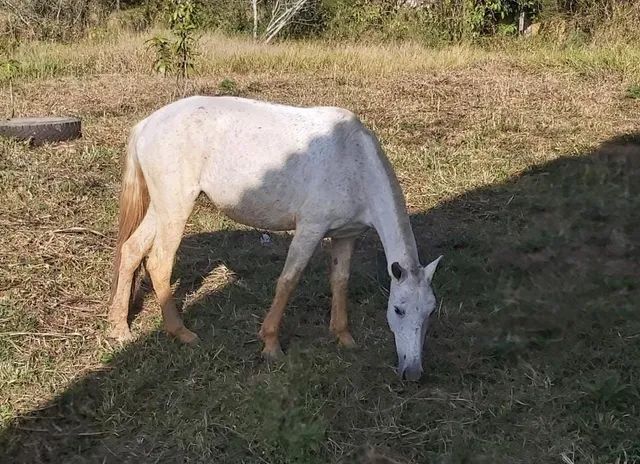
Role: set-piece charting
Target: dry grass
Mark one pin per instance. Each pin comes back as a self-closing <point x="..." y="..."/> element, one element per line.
<point x="534" y="356"/>
<point x="120" y="52"/>
<point x="126" y="52"/>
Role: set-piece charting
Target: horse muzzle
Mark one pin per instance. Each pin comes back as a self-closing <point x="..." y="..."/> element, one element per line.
<point x="410" y="371"/>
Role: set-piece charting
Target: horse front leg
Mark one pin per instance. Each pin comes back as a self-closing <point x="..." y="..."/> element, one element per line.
<point x="304" y="243"/>
<point x="341" y="252"/>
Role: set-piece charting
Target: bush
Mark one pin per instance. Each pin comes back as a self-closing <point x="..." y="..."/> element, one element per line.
<point x="433" y="21"/>
<point x="59" y="20"/>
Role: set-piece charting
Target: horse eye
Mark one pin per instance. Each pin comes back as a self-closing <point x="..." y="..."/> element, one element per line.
<point x="399" y="311"/>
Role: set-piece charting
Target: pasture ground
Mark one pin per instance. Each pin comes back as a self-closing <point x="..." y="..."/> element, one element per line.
<point x="534" y="355"/>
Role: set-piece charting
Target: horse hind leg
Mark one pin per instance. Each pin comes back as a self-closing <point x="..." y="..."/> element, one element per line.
<point x="159" y="266"/>
<point x="133" y="251"/>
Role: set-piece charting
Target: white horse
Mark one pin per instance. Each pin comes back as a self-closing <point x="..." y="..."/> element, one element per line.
<point x="316" y="170"/>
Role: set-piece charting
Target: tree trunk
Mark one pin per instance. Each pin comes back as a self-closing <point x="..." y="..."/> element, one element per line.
<point x="254" y="6"/>
<point x="521" y="23"/>
<point x="289" y="11"/>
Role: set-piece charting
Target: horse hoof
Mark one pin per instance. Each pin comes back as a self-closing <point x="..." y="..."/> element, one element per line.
<point x="120" y="333"/>
<point x="186" y="336"/>
<point x="346" y="340"/>
<point x="272" y="354"/>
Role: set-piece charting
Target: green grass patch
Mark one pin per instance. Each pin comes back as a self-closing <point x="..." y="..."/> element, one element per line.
<point x="633" y="91"/>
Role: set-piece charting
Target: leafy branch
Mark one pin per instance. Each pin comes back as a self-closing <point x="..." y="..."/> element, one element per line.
<point x="177" y="55"/>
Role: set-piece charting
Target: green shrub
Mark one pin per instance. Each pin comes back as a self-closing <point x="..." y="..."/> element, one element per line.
<point x="177" y="55"/>
<point x="59" y="20"/>
<point x="634" y="91"/>
<point x="228" y="87"/>
<point x="437" y="20"/>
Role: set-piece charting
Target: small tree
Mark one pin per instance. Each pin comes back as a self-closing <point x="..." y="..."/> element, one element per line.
<point x="183" y="25"/>
<point x="177" y="55"/>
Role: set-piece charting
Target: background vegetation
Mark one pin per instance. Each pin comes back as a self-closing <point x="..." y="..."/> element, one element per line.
<point x="519" y="159"/>
<point x="429" y="21"/>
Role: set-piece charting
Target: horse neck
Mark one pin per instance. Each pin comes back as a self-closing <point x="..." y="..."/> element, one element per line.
<point x="389" y="217"/>
<point x="397" y="238"/>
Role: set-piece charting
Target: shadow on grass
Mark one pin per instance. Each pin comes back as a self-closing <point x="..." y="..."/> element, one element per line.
<point x="535" y="353"/>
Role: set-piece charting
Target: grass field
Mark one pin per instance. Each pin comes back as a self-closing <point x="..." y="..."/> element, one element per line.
<point x="520" y="163"/>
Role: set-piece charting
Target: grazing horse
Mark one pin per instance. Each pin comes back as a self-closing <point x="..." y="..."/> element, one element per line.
<point x="317" y="171"/>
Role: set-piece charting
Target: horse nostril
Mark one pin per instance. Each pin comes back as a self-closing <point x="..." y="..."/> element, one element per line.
<point x="411" y="374"/>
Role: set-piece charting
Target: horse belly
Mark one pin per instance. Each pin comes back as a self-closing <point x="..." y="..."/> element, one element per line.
<point x="273" y="206"/>
<point x="253" y="214"/>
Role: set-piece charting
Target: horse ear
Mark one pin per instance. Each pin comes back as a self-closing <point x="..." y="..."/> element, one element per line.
<point x="430" y="268"/>
<point x="397" y="270"/>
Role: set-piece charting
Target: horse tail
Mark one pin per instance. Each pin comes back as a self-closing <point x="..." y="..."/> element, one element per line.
<point x="134" y="203"/>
